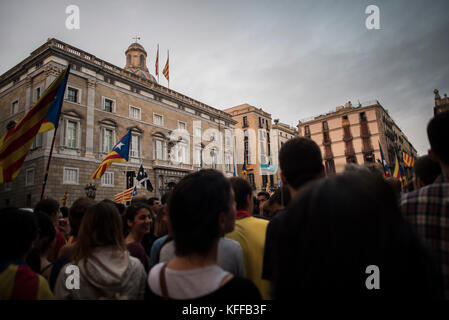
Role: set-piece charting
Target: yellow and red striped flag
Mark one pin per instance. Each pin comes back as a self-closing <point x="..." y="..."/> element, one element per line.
<point x="43" y="116"/>
<point x="156" y="65"/>
<point x="126" y="195"/>
<point x="166" y="70"/>
<point x="409" y="161"/>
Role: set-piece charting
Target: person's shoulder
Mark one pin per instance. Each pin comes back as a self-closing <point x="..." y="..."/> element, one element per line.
<point x="238" y="288"/>
<point x="258" y="221"/>
<point x="229" y="243"/>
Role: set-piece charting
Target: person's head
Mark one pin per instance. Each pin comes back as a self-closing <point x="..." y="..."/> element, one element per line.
<point x="76" y="213"/>
<point x="153" y="202"/>
<point x="300" y="161"/>
<point x="262" y="197"/>
<point x="201" y="209"/>
<point x="137" y="199"/>
<point x="46" y="233"/>
<point x="242" y="194"/>
<point x="395" y="184"/>
<point x="18" y="230"/>
<point x="278" y="201"/>
<point x="64" y="212"/>
<point x="138" y="219"/>
<point x="335" y="229"/>
<point x="438" y="134"/>
<point x="426" y="171"/>
<point x="50" y="207"/>
<point x="164" y="198"/>
<point x="101" y="226"/>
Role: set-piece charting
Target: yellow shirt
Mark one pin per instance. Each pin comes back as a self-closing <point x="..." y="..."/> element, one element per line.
<point x="250" y="233"/>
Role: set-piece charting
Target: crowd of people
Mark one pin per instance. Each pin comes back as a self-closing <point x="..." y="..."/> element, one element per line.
<point x="212" y="238"/>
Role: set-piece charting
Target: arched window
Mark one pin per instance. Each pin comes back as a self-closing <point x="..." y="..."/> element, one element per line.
<point x="142" y="60"/>
<point x="129" y="59"/>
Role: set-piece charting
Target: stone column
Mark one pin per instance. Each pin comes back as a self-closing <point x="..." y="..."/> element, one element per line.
<point x="28" y="93"/>
<point x="51" y="73"/>
<point x="90" y="118"/>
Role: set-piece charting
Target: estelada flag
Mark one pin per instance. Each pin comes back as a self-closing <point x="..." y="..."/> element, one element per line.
<point x="244" y="170"/>
<point x="126" y="195"/>
<point x="408" y="160"/>
<point x="387" y="172"/>
<point x="166" y="70"/>
<point x="42" y="117"/>
<point x="119" y="153"/>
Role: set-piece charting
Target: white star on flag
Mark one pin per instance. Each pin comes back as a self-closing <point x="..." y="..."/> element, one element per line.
<point x="120" y="145"/>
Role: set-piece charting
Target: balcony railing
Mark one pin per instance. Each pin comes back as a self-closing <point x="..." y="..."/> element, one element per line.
<point x="349" y="152"/>
<point x="364" y="130"/>
<point x="367" y="149"/>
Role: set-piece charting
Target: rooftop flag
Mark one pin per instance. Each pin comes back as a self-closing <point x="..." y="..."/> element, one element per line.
<point x="119" y="153"/>
<point x="43" y="116"/>
<point x="166" y="70"/>
<point x="156" y="65"/>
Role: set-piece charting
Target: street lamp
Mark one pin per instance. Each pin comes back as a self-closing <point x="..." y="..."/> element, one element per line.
<point x="90" y="190"/>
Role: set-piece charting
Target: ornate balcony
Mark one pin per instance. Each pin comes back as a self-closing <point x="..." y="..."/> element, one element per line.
<point x="349" y="152"/>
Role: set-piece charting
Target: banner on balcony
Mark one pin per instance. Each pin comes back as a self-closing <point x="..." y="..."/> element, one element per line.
<point x="268" y="168"/>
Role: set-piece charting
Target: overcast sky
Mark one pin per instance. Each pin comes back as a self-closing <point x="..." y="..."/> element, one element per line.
<point x="294" y="59"/>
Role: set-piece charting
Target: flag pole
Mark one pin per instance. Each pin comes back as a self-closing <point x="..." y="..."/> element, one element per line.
<point x="168" y="56"/>
<point x="44" y="184"/>
<point x="157" y="63"/>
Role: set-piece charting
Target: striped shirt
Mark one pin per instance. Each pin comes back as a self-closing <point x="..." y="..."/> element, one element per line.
<point x="19" y="282"/>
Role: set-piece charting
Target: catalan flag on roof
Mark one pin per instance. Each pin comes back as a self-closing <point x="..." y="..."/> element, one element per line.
<point x="119" y="153"/>
<point x="166" y="70"/>
<point x="42" y="117"/>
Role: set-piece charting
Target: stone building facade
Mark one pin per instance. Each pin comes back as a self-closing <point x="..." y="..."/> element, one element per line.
<point x="281" y="133"/>
<point x="352" y="134"/>
<point x="253" y="142"/>
<point x="172" y="134"/>
<point x="441" y="104"/>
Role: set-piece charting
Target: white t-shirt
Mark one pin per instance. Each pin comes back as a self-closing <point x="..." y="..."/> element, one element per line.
<point x="187" y="284"/>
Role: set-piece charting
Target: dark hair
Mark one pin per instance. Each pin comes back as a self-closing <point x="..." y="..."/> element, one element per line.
<point x="281" y="196"/>
<point x="132" y="211"/>
<point x="76" y="213"/>
<point x="18" y="230"/>
<point x="194" y="208"/>
<point x="48" y="206"/>
<point x="46" y="235"/>
<point x="265" y="194"/>
<point x="438" y="134"/>
<point x="300" y="161"/>
<point x="165" y="197"/>
<point x="426" y="169"/>
<point x="151" y="200"/>
<point x="242" y="189"/>
<point x="337" y="227"/>
<point x="64" y="212"/>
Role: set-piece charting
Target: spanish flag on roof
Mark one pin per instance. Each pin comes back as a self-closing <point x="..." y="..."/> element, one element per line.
<point x="42" y="117"/>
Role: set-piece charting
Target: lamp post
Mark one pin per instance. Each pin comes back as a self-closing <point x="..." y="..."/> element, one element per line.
<point x="91" y="190"/>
